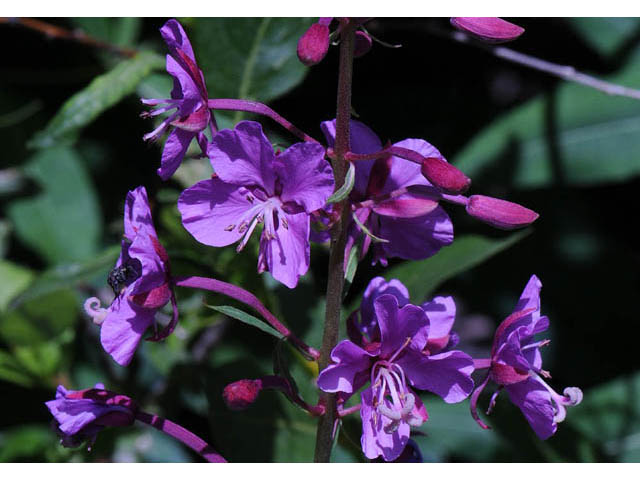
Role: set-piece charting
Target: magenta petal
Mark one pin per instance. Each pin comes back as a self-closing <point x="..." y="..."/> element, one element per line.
<point x="137" y="215"/>
<point x="500" y="213"/>
<point x="175" y="37"/>
<point x="488" y="29"/>
<point x="123" y="328"/>
<point x="350" y="360"/>
<point x="416" y="238"/>
<point x="375" y="441"/>
<point x="446" y="374"/>
<point x="307" y="178"/>
<point x="533" y="399"/>
<point x="244" y="156"/>
<point x="405" y="206"/>
<point x="173" y="152"/>
<point x="287" y="256"/>
<point x="212" y="212"/>
<point x="313" y="45"/>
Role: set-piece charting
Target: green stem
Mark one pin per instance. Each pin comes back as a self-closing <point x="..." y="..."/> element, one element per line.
<point x="335" y="283"/>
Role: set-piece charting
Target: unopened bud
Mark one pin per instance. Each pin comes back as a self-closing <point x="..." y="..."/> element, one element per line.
<point x="313" y="45"/>
<point x="444" y="176"/>
<point x="241" y="394"/>
<point x="500" y="213"/>
<point x="362" y="44"/>
<point x="488" y="29"/>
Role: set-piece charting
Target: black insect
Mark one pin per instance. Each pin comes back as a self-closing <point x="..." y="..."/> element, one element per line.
<point x="120" y="276"/>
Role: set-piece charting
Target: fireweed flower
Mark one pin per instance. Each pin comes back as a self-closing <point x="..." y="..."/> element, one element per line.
<point x="314" y="44"/>
<point x="516" y="366"/>
<point x="189" y="99"/>
<point x="253" y="186"/>
<point x="393" y="200"/>
<point x="395" y="364"/>
<point x="80" y="415"/>
<point x="141" y="283"/>
<point x="488" y="29"/>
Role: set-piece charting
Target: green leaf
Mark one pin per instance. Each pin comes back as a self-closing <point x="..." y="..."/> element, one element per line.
<point x="246" y="318"/>
<point x="11" y="370"/>
<point x="596" y="138"/>
<point x="102" y="93"/>
<point x="63" y="222"/>
<point x="249" y="58"/>
<point x="14" y="280"/>
<point x="424" y="276"/>
<point x="605" y="34"/>
<point x="346" y="187"/>
<point x="25" y="442"/>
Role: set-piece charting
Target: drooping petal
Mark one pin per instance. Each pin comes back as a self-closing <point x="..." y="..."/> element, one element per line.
<point x="350" y="360"/>
<point x="446" y="374"/>
<point x="184" y="88"/>
<point x="173" y="152"/>
<point x="153" y="270"/>
<point x="286" y="257"/>
<point x="441" y="312"/>
<point x="244" y="156"/>
<point x="362" y="140"/>
<point x="137" y="214"/>
<point x="375" y="440"/>
<point x="306" y="177"/>
<point x="533" y="399"/>
<point x="74" y="415"/>
<point x="175" y="37"/>
<point x="213" y="211"/>
<point x="123" y="328"/>
<point x="416" y="238"/>
<point x="397" y="325"/>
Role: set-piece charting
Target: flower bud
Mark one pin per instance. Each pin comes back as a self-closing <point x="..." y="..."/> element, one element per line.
<point x="500" y="213"/>
<point x="241" y="394"/>
<point x="444" y="176"/>
<point x="488" y="29"/>
<point x="362" y="44"/>
<point x="313" y="45"/>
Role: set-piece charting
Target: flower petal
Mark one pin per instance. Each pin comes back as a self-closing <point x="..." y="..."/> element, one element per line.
<point x="405" y="173"/>
<point x="175" y="37"/>
<point x="306" y="177"/>
<point x="399" y="324"/>
<point x="441" y="312"/>
<point x="446" y="374"/>
<point x="379" y="286"/>
<point x="350" y="360"/>
<point x="137" y="214"/>
<point x="533" y="399"/>
<point x="212" y="211"/>
<point x="153" y="272"/>
<point x="244" y="156"/>
<point x="375" y="441"/>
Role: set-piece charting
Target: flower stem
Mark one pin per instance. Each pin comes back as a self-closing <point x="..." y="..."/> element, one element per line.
<point x="252" y="301"/>
<point x="335" y="283"/>
<point x="183" y="435"/>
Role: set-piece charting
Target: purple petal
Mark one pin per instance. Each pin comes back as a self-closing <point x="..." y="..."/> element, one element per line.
<point x="510" y="351"/>
<point x="173" y="152"/>
<point x="185" y="88"/>
<point x="212" y="211"/>
<point x="306" y="177"/>
<point x="137" y="214"/>
<point x="74" y="415"/>
<point x="375" y="441"/>
<point x="175" y="37"/>
<point x="362" y="140"/>
<point x="244" y="156"/>
<point x="349" y="361"/>
<point x="123" y="328"/>
<point x="405" y="206"/>
<point x="405" y="173"/>
<point x="530" y="297"/>
<point x="488" y="29"/>
<point x="153" y="268"/>
<point x="379" y="286"/>
<point x="416" y="238"/>
<point x="533" y="399"/>
<point x="399" y="324"/>
<point x="446" y="374"/>
<point x="286" y="257"/>
<point x="442" y="313"/>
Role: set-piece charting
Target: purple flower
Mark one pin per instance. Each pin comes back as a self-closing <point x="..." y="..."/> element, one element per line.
<point x="253" y="186"/>
<point x="488" y="29"/>
<point x="516" y="366"/>
<point x="80" y="415"/>
<point x="189" y="99"/>
<point x="393" y="200"/>
<point x="140" y="281"/>
<point x="396" y="360"/>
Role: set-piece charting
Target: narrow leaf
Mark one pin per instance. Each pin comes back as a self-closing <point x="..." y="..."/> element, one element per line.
<point x="344" y="191"/>
<point x="246" y="318"/>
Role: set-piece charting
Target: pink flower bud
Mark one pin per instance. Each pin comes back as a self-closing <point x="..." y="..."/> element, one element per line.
<point x="313" y="45"/>
<point x="241" y="394"/>
<point x="500" y="213"/>
<point x="444" y="176"/>
<point x="488" y="29"/>
<point x="362" y="45"/>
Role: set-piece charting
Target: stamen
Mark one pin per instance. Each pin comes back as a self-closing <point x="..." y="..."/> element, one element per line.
<point x="394" y="356"/>
<point x="540" y="344"/>
<point x="245" y="239"/>
<point x="158" y="131"/>
<point x="94" y="310"/>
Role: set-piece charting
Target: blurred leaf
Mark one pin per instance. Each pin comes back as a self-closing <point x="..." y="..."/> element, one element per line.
<point x="246" y="318"/>
<point x="69" y="275"/>
<point x="11" y="370"/>
<point x="156" y="85"/>
<point x="123" y="31"/>
<point x="597" y="137"/>
<point x="63" y="222"/>
<point x="609" y="415"/>
<point x="605" y="34"/>
<point x="424" y="276"/>
<point x="149" y="445"/>
<point x="250" y="58"/>
<point x="102" y="93"/>
<point x="13" y="280"/>
<point x="5" y="230"/>
<point x="25" y="443"/>
<point x="42" y="360"/>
